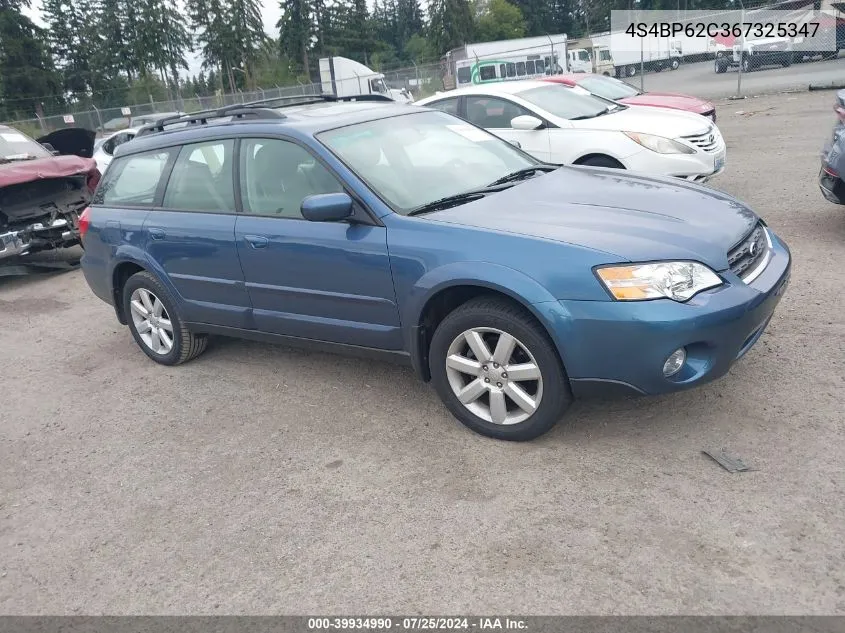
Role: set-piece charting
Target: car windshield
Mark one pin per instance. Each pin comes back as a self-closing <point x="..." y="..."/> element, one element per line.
<point x="414" y="159"/>
<point x="566" y="103"/>
<point x="17" y="146"/>
<point x="608" y="87"/>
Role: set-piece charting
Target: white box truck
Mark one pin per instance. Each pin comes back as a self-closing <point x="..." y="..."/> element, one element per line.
<point x="343" y="77"/>
<point x="614" y="54"/>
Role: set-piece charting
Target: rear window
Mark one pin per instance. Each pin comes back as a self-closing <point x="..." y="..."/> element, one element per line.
<point x="132" y="180"/>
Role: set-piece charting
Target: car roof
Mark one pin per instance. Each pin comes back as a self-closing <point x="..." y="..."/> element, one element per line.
<point x="566" y="80"/>
<point x="498" y="88"/>
<point x="308" y="119"/>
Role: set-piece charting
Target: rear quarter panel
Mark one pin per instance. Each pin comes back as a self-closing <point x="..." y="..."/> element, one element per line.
<point x="114" y="236"/>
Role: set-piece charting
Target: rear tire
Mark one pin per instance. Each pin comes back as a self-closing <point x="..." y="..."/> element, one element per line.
<point x="155" y="324"/>
<point x="478" y="391"/>
<point x="631" y="71"/>
<point x="721" y="65"/>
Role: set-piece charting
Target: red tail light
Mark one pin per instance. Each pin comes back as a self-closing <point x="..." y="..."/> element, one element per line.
<point x="84" y="222"/>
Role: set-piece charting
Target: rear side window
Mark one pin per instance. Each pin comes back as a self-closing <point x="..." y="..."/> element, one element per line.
<point x="446" y="105"/>
<point x="203" y="178"/>
<point x="132" y="180"/>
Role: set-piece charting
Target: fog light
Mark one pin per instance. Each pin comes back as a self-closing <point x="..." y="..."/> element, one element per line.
<point x="674" y="363"/>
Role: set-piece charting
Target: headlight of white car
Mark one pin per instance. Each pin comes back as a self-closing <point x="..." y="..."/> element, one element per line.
<point x="659" y="144"/>
<point x="678" y="281"/>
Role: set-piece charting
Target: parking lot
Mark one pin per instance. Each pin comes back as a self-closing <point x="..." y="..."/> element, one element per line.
<point x="260" y="479"/>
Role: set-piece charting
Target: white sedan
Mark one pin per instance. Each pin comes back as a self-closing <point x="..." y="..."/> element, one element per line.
<point x="104" y="151"/>
<point x="567" y="126"/>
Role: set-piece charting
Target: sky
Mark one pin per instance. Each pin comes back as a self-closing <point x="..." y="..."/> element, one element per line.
<point x="270" y="14"/>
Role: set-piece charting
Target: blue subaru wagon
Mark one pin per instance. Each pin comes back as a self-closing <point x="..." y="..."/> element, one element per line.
<point x="379" y="228"/>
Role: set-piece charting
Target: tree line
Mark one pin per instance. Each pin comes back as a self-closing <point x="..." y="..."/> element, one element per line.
<point x="114" y="52"/>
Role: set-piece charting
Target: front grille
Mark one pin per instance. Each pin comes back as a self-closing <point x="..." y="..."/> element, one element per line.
<point x="710" y="141"/>
<point x="745" y="256"/>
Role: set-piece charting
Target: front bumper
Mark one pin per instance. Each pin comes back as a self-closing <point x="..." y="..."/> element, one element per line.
<point x="617" y="345"/>
<point x="38" y="236"/>
<point x="698" y="167"/>
<point x="832" y="188"/>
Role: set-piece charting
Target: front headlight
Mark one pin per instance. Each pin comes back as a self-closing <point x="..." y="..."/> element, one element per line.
<point x="678" y="281"/>
<point x="659" y="144"/>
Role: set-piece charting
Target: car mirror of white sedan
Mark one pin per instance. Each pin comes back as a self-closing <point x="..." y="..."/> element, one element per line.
<point x="526" y="122"/>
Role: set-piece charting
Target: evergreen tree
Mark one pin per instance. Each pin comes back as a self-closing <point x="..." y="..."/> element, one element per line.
<point x="27" y="75"/>
<point x="248" y="33"/>
<point x="450" y="24"/>
<point x="295" y="31"/>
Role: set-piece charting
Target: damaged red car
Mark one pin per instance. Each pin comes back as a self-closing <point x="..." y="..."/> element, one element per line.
<point x="44" y="187"/>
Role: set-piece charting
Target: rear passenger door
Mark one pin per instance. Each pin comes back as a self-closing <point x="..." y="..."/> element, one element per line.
<point x="328" y="281"/>
<point x="191" y="235"/>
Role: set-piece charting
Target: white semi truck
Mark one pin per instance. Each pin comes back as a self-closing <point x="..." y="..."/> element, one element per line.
<point x="343" y="77"/>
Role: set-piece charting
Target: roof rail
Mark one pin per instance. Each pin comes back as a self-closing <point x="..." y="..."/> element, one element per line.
<point x="261" y="109"/>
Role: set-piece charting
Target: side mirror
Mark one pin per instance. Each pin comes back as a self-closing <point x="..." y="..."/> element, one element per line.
<point x="526" y="122"/>
<point x="327" y="207"/>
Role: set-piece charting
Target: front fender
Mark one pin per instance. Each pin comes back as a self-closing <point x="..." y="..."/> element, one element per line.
<point x="515" y="284"/>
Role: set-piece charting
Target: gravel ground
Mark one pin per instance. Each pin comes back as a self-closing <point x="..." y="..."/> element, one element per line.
<point x="259" y="479"/>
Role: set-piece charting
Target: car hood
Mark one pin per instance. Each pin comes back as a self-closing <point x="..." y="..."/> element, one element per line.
<point x="631" y="216"/>
<point x="648" y="120"/>
<point x="44" y="168"/>
<point x="670" y="100"/>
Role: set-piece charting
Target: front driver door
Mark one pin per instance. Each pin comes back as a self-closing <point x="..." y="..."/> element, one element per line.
<point x="495" y="114"/>
<point x="328" y="281"/>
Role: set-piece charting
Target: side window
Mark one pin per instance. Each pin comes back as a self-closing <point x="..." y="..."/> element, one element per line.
<point x="132" y="180"/>
<point x="520" y="69"/>
<point x="277" y="175"/>
<point x="109" y="145"/>
<point x="202" y="178"/>
<point x="511" y="68"/>
<point x="446" y="105"/>
<point x="529" y="67"/>
<point x="464" y="75"/>
<point x="492" y="113"/>
<point x="487" y="73"/>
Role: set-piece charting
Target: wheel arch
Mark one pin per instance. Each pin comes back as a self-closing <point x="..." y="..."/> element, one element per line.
<point x="582" y="159"/>
<point x="435" y="301"/>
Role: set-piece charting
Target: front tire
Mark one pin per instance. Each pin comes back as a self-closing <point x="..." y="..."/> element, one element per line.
<point x="746" y="64"/>
<point x="155" y="324"/>
<point x="721" y="65"/>
<point x="497" y="371"/>
<point x="675" y="64"/>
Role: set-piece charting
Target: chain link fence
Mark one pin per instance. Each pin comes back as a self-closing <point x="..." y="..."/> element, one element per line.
<point x="419" y="80"/>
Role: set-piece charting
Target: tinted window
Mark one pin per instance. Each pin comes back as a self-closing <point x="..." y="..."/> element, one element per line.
<point x="277" y="175"/>
<point x="520" y="68"/>
<point x="502" y="71"/>
<point x="464" y="75"/>
<point x="445" y="105"/>
<point x="511" y="68"/>
<point x="492" y="113"/>
<point x="132" y="180"/>
<point x="538" y="64"/>
<point x="202" y="178"/>
<point x="529" y="67"/>
<point x="487" y="73"/>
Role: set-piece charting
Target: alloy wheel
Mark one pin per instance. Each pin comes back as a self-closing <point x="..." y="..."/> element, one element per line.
<point x="151" y="321"/>
<point x="494" y="375"/>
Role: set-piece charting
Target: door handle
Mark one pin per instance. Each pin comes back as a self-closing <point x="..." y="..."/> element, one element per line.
<point x="157" y="234"/>
<point x="257" y="241"/>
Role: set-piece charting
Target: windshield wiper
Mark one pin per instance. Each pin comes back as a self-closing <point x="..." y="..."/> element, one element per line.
<point x="449" y="201"/>
<point x="520" y="174"/>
